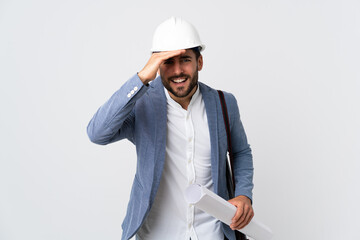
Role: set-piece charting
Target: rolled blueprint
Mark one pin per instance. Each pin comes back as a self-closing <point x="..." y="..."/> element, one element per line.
<point x="209" y="202"/>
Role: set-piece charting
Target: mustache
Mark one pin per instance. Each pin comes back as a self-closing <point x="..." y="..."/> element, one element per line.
<point x="179" y="76"/>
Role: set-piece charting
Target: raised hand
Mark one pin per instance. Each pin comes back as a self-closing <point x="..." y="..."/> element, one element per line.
<point x="148" y="73"/>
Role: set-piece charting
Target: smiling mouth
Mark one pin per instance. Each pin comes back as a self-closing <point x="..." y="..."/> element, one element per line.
<point x="179" y="80"/>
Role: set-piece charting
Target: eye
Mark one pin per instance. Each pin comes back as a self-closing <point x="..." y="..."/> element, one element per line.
<point x="186" y="60"/>
<point x="169" y="61"/>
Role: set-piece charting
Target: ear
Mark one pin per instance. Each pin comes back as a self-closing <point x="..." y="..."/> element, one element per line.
<point x="200" y="63"/>
<point x="158" y="71"/>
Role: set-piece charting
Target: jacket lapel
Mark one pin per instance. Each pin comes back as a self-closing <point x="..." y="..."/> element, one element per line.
<point x="210" y="102"/>
<point x="159" y="102"/>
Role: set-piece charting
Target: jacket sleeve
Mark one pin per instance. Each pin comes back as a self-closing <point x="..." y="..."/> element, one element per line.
<point x="115" y="119"/>
<point x="243" y="161"/>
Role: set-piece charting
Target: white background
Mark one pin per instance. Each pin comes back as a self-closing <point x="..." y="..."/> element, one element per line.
<point x="293" y="66"/>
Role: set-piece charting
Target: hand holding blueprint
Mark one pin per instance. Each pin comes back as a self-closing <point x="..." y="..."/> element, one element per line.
<point x="221" y="209"/>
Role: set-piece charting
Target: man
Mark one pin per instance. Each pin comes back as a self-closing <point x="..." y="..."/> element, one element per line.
<point x="177" y="126"/>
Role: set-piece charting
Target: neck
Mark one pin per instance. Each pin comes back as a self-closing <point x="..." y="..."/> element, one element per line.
<point x="184" y="101"/>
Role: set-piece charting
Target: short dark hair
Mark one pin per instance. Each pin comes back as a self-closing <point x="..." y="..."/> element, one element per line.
<point x="196" y="50"/>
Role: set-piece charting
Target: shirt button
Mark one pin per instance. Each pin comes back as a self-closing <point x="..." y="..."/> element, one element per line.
<point x="189" y="161"/>
<point x="132" y="91"/>
<point x="190" y="139"/>
<point x="135" y="88"/>
<point x="129" y="95"/>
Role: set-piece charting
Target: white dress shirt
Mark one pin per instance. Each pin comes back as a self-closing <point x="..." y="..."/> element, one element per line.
<point x="187" y="161"/>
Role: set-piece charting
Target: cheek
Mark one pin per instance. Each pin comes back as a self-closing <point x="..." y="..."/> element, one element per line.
<point x="188" y="69"/>
<point x="193" y="70"/>
<point x="163" y="71"/>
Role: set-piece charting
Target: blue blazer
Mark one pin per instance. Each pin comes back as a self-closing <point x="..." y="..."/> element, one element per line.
<point x="139" y="113"/>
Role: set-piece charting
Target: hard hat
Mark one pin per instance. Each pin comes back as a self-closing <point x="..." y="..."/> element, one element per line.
<point x="175" y="33"/>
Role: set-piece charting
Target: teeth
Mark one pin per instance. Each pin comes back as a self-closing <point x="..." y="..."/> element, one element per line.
<point x="179" y="80"/>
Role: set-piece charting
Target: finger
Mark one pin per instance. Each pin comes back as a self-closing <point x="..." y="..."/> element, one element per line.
<point x="175" y="52"/>
<point x="247" y="211"/>
<point x="246" y="220"/>
<point x="169" y="54"/>
<point x="250" y="217"/>
<point x="239" y="213"/>
<point x="239" y="222"/>
<point x="244" y="224"/>
<point x="237" y="218"/>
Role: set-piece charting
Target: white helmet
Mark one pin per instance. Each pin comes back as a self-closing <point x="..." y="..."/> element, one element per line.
<point x="174" y="34"/>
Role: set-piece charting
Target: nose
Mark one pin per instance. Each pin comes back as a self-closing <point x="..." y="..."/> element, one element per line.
<point x="177" y="68"/>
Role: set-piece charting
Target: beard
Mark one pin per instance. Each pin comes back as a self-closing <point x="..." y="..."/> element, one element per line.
<point x="181" y="92"/>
